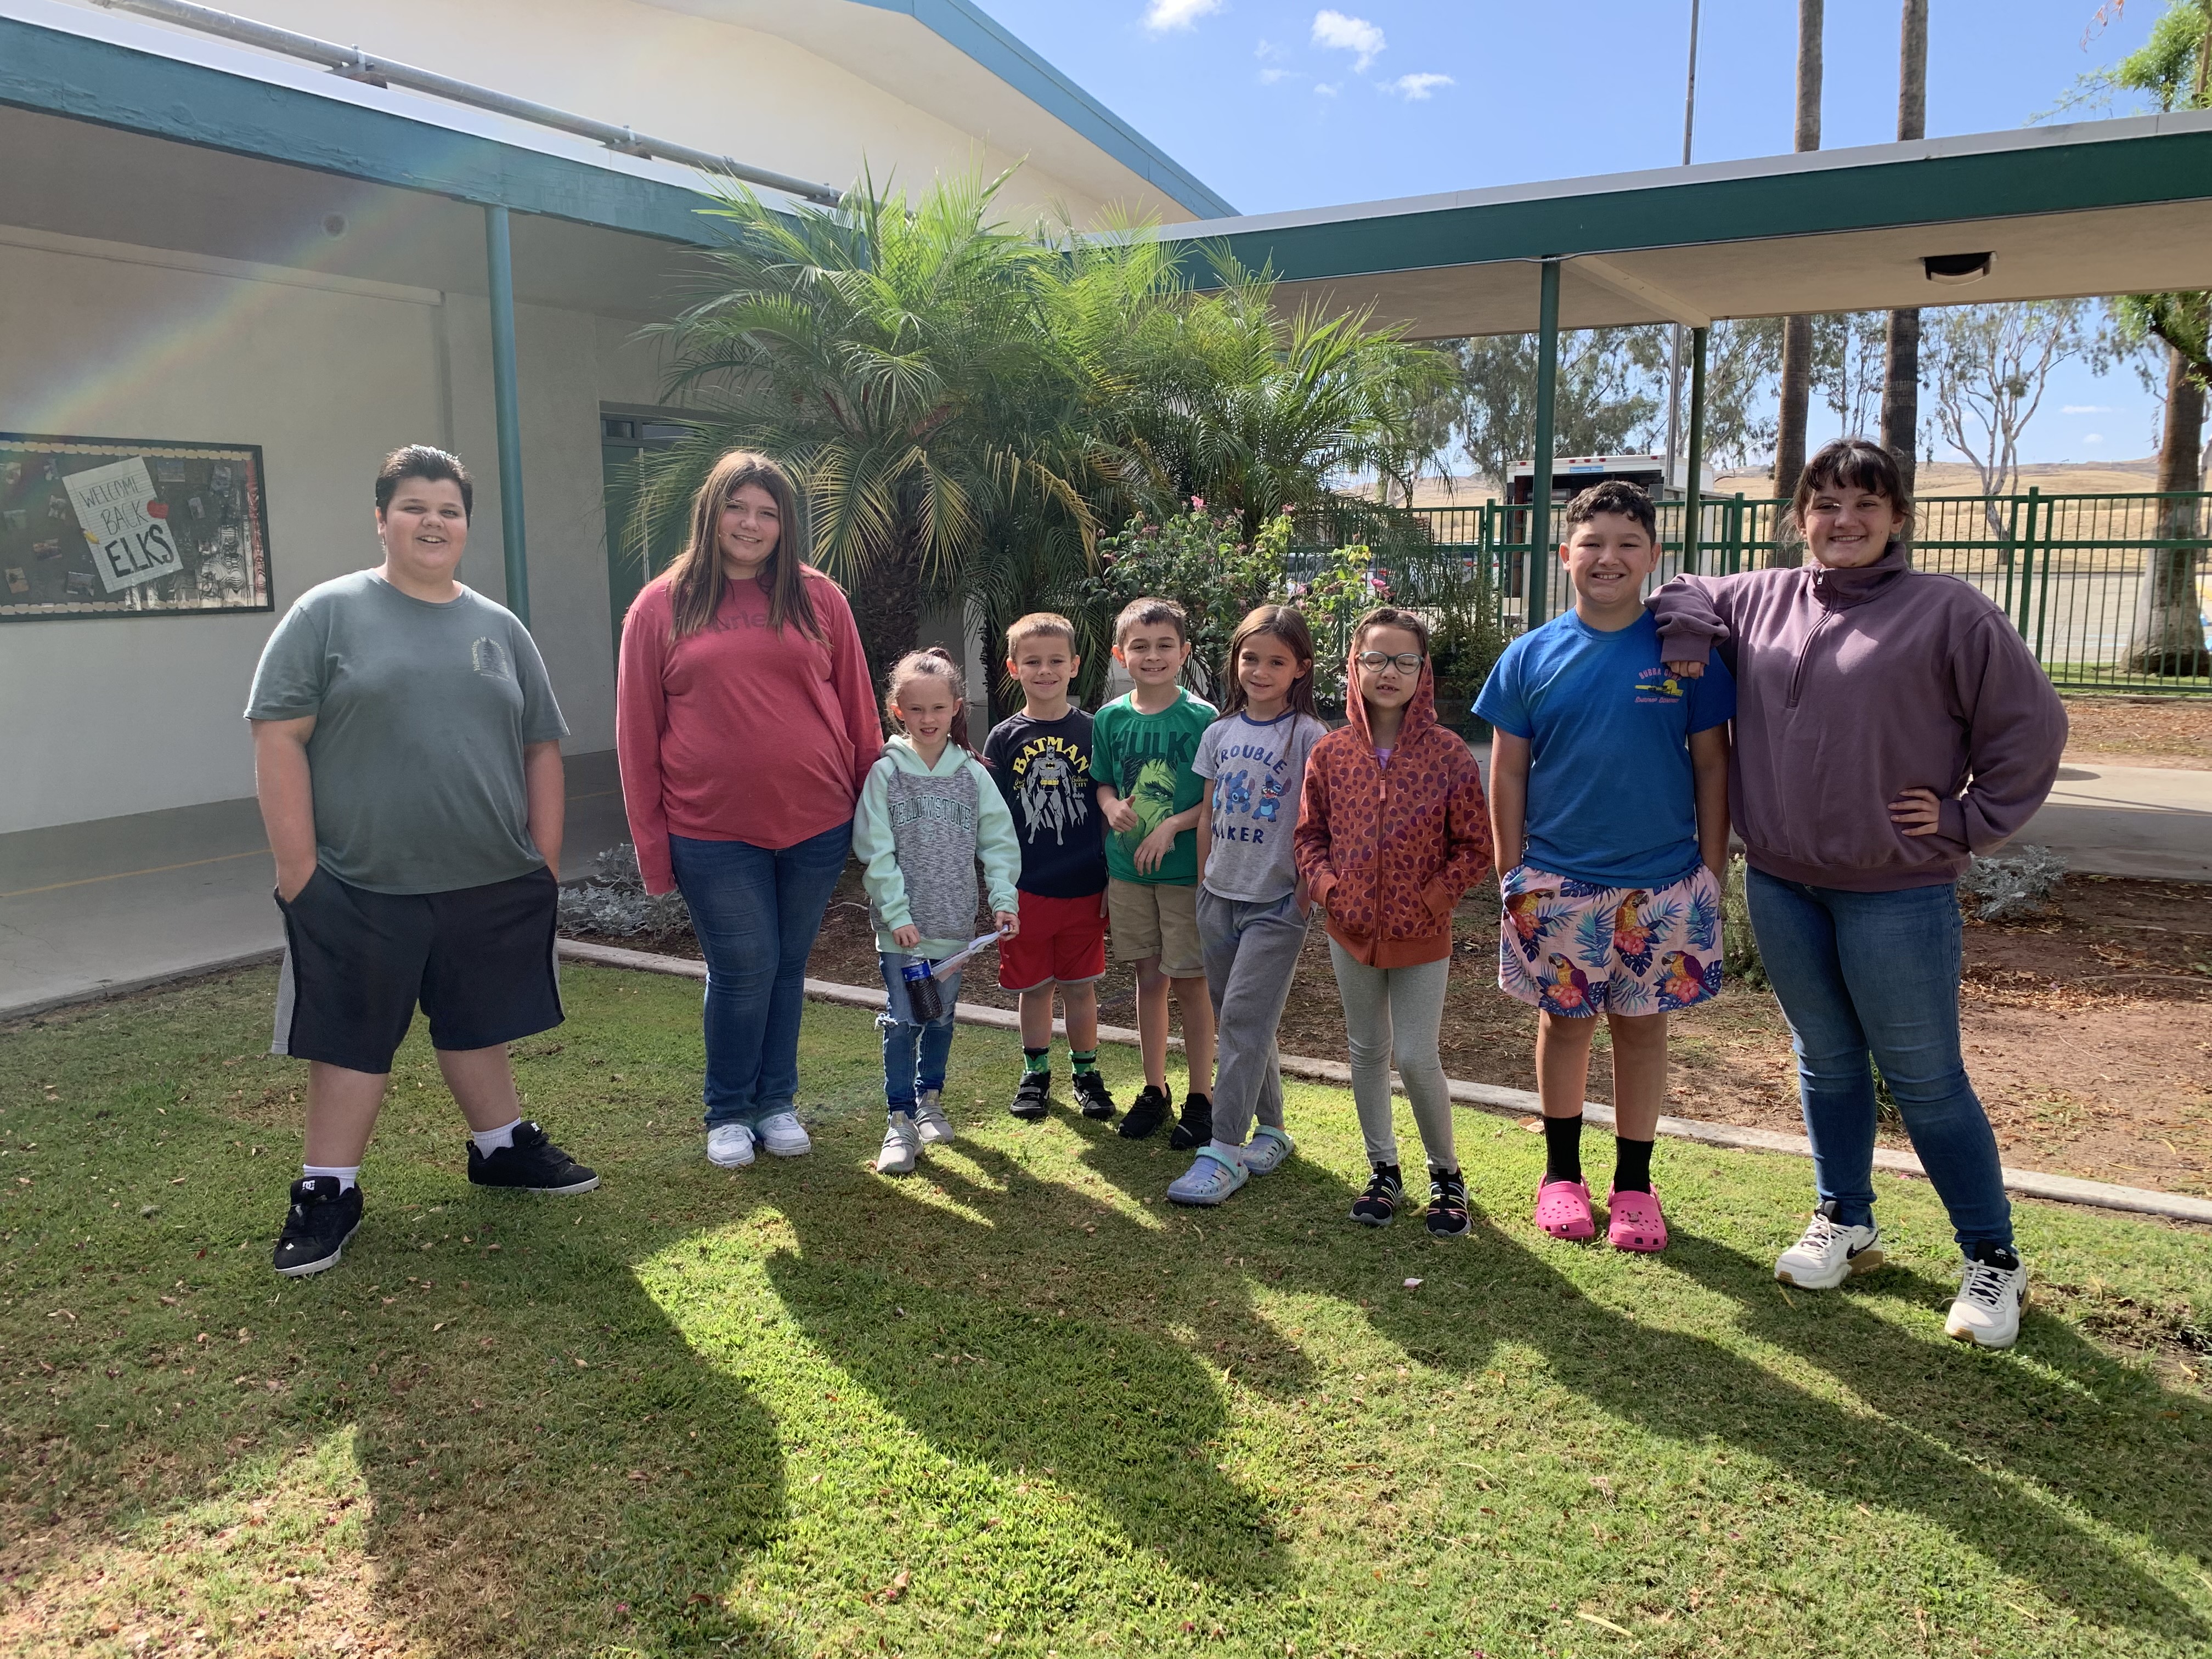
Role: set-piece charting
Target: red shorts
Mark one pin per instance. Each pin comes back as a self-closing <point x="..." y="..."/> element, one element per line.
<point x="1062" y="938"/>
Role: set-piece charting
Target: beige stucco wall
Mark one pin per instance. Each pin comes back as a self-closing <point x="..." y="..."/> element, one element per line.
<point x="110" y="716"/>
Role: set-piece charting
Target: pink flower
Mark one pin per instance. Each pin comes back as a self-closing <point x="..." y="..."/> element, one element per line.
<point x="1198" y="504"/>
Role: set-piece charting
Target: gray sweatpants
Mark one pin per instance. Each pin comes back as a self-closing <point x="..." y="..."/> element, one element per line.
<point x="1397" y="1013"/>
<point x="1251" y="954"/>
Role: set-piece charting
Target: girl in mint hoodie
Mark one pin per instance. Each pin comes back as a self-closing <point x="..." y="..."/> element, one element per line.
<point x="1890" y="723"/>
<point x="928" y="811"/>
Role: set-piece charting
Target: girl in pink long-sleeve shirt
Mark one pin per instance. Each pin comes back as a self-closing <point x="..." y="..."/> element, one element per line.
<point x="745" y="723"/>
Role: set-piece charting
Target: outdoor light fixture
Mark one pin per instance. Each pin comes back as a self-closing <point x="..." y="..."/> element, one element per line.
<point x="1956" y="269"/>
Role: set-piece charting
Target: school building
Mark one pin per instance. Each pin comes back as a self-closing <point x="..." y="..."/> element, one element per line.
<point x="234" y="273"/>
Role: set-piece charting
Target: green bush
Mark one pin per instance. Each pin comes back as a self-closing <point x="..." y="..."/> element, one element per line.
<point x="1741" y="962"/>
<point x="1466" y="633"/>
<point x="1198" y="559"/>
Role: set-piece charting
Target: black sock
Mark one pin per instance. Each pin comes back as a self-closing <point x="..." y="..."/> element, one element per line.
<point x="1631" y="1165"/>
<point x="1563" y="1148"/>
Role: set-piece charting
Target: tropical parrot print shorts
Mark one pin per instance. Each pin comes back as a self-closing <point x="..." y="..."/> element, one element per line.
<point x="1574" y="949"/>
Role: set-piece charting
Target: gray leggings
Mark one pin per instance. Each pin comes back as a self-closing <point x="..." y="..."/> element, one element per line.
<point x="1397" y="1013"/>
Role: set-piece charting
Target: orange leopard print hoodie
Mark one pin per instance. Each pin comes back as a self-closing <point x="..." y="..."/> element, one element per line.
<point x="1390" y="850"/>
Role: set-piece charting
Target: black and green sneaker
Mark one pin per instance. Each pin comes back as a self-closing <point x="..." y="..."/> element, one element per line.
<point x="1097" y="1100"/>
<point x="532" y="1165"/>
<point x="1033" y="1097"/>
<point x="317" y="1227"/>
<point x="1378" y="1205"/>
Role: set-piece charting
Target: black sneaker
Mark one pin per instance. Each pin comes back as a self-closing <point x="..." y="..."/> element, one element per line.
<point x="1146" y="1113"/>
<point x="1447" y="1217"/>
<point x="1378" y="1205"/>
<point x="1034" y="1095"/>
<point x="1097" y="1100"/>
<point x="1195" y="1127"/>
<point x="315" y="1232"/>
<point x="532" y="1165"/>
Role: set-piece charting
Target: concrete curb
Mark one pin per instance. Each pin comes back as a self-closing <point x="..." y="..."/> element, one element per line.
<point x="1518" y="1103"/>
<point x="108" y="989"/>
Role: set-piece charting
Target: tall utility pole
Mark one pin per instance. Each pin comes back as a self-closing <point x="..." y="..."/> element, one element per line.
<point x="1901" y="384"/>
<point x="1675" y="345"/>
<point x="1798" y="331"/>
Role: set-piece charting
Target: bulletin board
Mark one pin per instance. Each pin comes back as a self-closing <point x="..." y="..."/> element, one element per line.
<point x="130" y="527"/>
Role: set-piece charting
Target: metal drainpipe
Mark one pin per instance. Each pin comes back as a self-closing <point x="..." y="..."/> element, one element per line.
<point x="1694" y="500"/>
<point x="500" y="259"/>
<point x="1540" y="481"/>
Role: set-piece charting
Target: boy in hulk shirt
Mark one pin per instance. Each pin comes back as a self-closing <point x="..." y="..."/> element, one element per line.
<point x="1142" y="748"/>
<point x="1608" y="807"/>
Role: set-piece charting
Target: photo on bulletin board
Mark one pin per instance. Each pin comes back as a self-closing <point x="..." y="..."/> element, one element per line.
<point x="130" y="527"/>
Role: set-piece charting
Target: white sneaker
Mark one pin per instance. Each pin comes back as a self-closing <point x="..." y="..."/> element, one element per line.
<point x="1828" y="1254"/>
<point x="929" y="1118"/>
<point x="1986" y="1311"/>
<point x="730" y="1145"/>
<point x="901" y="1143"/>
<point x="784" y="1135"/>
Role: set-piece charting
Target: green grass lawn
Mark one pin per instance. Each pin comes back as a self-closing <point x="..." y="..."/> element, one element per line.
<point x="1017" y="1404"/>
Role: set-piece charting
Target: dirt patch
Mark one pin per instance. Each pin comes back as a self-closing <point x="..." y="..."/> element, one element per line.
<point x="2088" y="1031"/>
<point x="2171" y="731"/>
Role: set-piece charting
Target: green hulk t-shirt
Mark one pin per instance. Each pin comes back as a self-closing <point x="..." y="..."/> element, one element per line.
<point x="1145" y="759"/>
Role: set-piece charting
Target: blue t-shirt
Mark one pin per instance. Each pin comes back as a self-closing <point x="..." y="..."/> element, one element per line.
<point x="1612" y="798"/>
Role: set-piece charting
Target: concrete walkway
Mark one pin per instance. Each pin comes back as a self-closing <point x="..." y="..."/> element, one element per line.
<point x="90" y="908"/>
<point x="103" y="907"/>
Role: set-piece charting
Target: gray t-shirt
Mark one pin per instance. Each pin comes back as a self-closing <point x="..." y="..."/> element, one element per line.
<point x="421" y="712"/>
<point x="1259" y="773"/>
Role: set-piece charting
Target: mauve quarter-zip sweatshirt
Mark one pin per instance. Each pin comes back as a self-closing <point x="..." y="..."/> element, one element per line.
<point x="1855" y="685"/>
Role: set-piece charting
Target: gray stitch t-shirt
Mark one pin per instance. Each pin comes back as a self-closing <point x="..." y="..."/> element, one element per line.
<point x="422" y="711"/>
<point x="1259" y="773"/>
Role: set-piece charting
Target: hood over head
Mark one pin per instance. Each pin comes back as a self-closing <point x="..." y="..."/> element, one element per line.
<point x="1420" y="708"/>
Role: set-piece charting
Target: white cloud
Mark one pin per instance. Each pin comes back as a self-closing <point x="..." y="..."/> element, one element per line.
<point x="1267" y="48"/>
<point x="1269" y="76"/>
<point x="1417" y="89"/>
<point x="2094" y="438"/>
<point x="1325" y="89"/>
<point x="2086" y="409"/>
<point x="1162" y="16"/>
<point x="1339" y="33"/>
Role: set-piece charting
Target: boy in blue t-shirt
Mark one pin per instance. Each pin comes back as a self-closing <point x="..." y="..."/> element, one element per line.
<point x="1609" y="803"/>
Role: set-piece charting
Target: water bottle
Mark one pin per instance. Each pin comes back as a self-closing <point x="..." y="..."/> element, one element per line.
<point x="925" y="994"/>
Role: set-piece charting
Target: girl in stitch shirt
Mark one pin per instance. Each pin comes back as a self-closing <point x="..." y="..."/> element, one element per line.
<point x="1393" y="831"/>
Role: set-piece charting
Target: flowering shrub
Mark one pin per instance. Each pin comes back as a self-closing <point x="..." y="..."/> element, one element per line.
<point x="1197" y="559"/>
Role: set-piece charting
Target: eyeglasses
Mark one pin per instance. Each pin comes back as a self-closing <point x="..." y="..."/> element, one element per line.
<point x="1406" y="662"/>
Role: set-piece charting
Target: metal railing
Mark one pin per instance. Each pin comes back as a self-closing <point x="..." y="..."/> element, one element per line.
<point x="2077" y="574"/>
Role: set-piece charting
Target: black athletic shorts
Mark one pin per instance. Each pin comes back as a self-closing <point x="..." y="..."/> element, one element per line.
<point x="479" y="959"/>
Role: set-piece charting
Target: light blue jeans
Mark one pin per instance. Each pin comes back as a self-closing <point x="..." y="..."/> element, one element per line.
<point x="1877" y="972"/>
<point x="914" y="1053"/>
<point x="755" y="911"/>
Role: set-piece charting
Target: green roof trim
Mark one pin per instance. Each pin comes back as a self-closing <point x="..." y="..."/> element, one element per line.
<point x="1799" y="195"/>
<point x="963" y="25"/>
<point x="115" y="86"/>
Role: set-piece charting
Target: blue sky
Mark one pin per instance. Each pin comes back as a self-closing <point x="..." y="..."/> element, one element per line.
<point x="1277" y="105"/>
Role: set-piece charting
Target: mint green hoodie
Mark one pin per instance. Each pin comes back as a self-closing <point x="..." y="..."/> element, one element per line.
<point x="920" y="829"/>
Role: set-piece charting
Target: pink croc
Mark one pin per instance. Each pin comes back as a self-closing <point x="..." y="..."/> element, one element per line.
<point x="1637" y="1223"/>
<point x="1563" y="1210"/>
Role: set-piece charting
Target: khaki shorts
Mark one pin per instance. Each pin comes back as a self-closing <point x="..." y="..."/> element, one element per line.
<point x="1156" y="918"/>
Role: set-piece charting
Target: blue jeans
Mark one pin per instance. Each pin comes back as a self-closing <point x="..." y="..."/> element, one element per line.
<point x="914" y="1054"/>
<point x="1878" y="972"/>
<point x="756" y="912"/>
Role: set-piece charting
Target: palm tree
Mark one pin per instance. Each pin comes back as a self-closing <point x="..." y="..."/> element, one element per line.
<point x="1900" y="391"/>
<point x="895" y="356"/>
<point x="1798" y="331"/>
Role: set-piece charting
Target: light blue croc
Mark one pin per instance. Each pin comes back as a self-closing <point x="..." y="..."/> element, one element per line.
<point x="1268" y="1148"/>
<point x="1210" y="1179"/>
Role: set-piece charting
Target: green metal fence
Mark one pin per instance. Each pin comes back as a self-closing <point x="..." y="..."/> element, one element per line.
<point x="2078" y="575"/>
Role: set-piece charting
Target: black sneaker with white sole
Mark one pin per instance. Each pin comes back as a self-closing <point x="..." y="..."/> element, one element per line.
<point x="532" y="1165"/>
<point x="316" y="1227"/>
<point x="1098" y="1099"/>
<point x="1378" y="1205"/>
<point x="1032" y="1097"/>
<point x="1448" y="1215"/>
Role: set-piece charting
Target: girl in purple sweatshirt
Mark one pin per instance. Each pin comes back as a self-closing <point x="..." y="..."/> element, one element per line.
<point x="1889" y="724"/>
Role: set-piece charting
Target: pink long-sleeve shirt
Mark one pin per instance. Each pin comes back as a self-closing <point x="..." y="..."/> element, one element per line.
<point x="741" y="732"/>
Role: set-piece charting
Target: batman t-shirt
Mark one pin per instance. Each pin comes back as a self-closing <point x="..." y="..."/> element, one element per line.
<point x="1043" y="769"/>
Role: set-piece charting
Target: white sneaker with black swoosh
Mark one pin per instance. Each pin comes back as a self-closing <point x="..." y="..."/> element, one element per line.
<point x="1829" y="1253"/>
<point x="1986" y="1311"/>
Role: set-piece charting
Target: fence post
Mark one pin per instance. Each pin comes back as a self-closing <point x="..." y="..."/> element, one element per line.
<point x="1693" y="500"/>
<point x="2027" y="559"/>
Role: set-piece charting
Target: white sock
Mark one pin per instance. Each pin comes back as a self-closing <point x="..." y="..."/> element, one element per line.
<point x="1233" y="1153"/>
<point x="347" y="1174"/>
<point x="492" y="1141"/>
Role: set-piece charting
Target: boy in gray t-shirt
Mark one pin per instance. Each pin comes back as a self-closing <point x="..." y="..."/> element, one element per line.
<point x="407" y="754"/>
